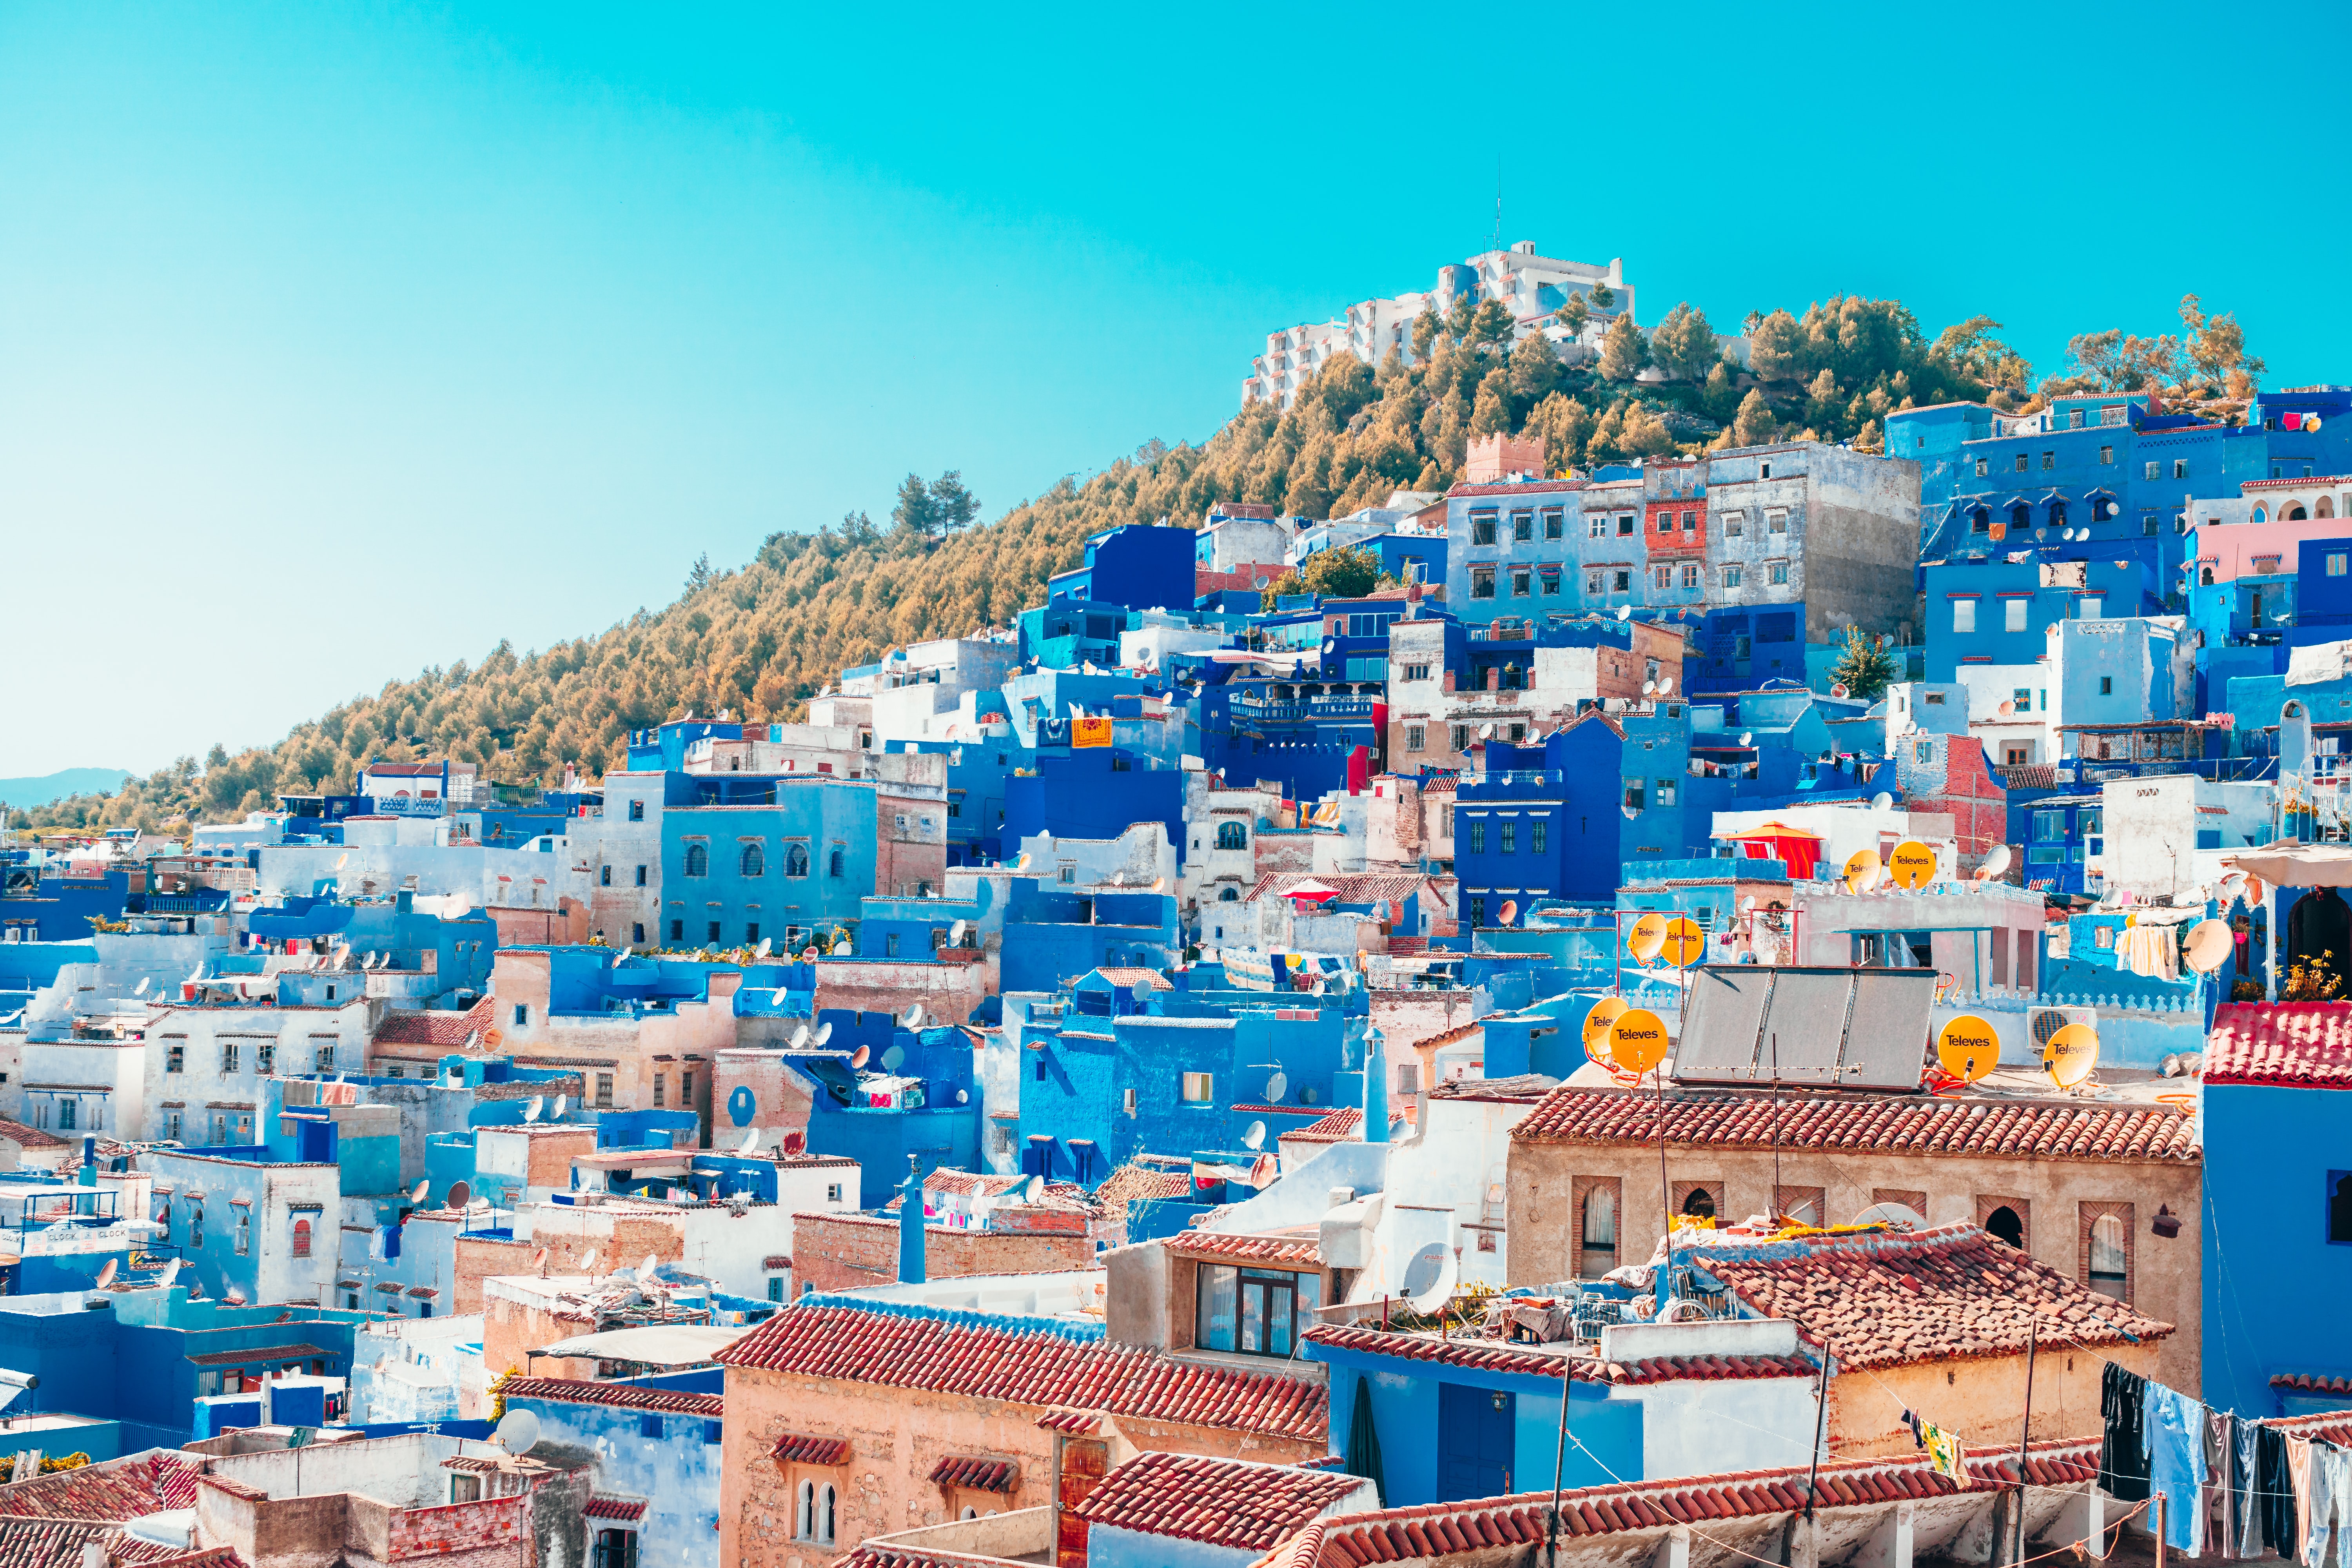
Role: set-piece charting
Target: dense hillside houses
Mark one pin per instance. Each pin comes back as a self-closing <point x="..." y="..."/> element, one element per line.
<point x="1776" y="999"/>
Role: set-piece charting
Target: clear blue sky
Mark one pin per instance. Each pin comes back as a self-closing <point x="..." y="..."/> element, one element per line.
<point x="337" y="342"/>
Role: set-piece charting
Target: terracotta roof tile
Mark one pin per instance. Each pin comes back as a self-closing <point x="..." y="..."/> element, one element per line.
<point x="968" y="1354"/>
<point x="1225" y="1502"/>
<point x="1908" y="1124"/>
<point x="807" y="1448"/>
<point x="2299" y="1045"/>
<point x="627" y="1396"/>
<point x="1298" y="1251"/>
<point x="432" y="1027"/>
<point x="1888" y="1299"/>
<point x="1505" y="1355"/>
<point x="145" y="1483"/>
<point x="1435" y="1530"/>
<point x="978" y="1475"/>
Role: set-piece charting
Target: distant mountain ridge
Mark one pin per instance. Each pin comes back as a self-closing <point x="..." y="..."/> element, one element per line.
<point x="26" y="793"/>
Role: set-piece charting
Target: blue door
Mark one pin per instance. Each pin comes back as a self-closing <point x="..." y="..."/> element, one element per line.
<point x="1474" y="1442"/>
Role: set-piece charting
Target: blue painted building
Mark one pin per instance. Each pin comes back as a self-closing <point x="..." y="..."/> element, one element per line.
<point x="734" y="874"/>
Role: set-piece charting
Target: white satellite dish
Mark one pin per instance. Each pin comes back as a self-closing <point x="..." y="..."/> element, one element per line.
<point x="517" y="1431"/>
<point x="530" y="1112"/>
<point x="800" y="1037"/>
<point x="1882" y="801"/>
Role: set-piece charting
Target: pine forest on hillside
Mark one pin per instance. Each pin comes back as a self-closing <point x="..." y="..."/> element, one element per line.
<point x="761" y="640"/>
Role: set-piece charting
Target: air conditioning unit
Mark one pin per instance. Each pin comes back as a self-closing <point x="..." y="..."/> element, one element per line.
<point x="2047" y="1021"/>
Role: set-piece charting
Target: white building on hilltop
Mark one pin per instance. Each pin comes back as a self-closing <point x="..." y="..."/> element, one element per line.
<point x="1530" y="287"/>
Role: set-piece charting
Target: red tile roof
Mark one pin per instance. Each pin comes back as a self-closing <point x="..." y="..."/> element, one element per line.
<point x="2298" y="1045"/>
<point x="1503" y="1355"/>
<point x="1298" y="1251"/>
<point x="1225" y="1502"/>
<point x="964" y="1353"/>
<point x="152" y="1482"/>
<point x="980" y="1475"/>
<point x="613" y="1507"/>
<point x="807" y="1448"/>
<point x="1885" y="1299"/>
<point x="433" y="1027"/>
<point x="628" y="1395"/>
<point x="1438" y="1530"/>
<point x="1906" y="1124"/>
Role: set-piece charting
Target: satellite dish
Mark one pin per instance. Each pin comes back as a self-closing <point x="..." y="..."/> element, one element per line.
<point x="2211" y="943"/>
<point x="1637" y="1040"/>
<point x="517" y="1430"/>
<point x="1277" y="1084"/>
<point x="857" y="1057"/>
<point x="460" y="1198"/>
<point x="893" y="1057"/>
<point x="1967" y="1048"/>
<point x="1510" y="912"/>
<point x="1912" y="866"/>
<point x="1254" y="1135"/>
<point x="1647" y="936"/>
<point x="912" y="1018"/>
<point x="106" y="1275"/>
<point x="1882" y="801"/>
<point x="2071" y="1055"/>
<point x="1605" y="1013"/>
<point x="423" y="1186"/>
<point x="1997" y="862"/>
<point x="823" y="1032"/>
<point x="800" y="1037"/>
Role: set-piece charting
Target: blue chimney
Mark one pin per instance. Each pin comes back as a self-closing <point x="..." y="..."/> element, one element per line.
<point x="911" y="1224"/>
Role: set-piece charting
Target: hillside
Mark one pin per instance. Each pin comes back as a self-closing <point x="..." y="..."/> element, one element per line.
<point x="762" y="639"/>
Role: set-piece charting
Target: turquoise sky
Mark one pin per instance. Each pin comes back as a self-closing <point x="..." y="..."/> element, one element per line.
<point x="335" y="341"/>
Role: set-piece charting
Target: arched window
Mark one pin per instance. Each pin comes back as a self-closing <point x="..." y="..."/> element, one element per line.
<point x="753" y="861"/>
<point x="2109" y="1269"/>
<point x="834" y="864"/>
<point x="797" y="862"/>
<point x="1700" y="1205"/>
<point x="1599" y="1233"/>
<point x="697" y="861"/>
<point x="1232" y="836"/>
<point x="301" y="1239"/>
<point x="2004" y="1222"/>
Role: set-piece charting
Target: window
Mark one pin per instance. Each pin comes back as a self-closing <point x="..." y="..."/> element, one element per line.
<point x="2107" y="456"/>
<point x="1510" y="837"/>
<point x="1776" y="520"/>
<point x="1522" y="525"/>
<point x="2107" y="1260"/>
<point x="301" y="1239"/>
<point x="1478" y="836"/>
<point x="1982" y="467"/>
<point x="175" y="1059"/>
<point x="1536" y="835"/>
<point x="636" y="810"/>
<point x="1197" y="1088"/>
<point x="1731" y="576"/>
<point x="2180" y="468"/>
<point x="229" y="1055"/>
<point x="753" y="861"/>
<point x="1414" y="735"/>
<point x="604" y="1092"/>
<point x="1482" y="528"/>
<point x="1964" y="614"/>
<point x="603" y="876"/>
<point x="1778" y="571"/>
<point x="1482" y="582"/>
<point x="813" y="1512"/>
<point x="697" y="861"/>
<point x="650" y="1426"/>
